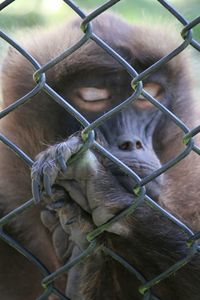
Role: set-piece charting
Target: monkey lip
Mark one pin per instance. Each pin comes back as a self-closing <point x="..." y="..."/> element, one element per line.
<point x="142" y="170"/>
<point x="129" y="183"/>
<point x="152" y="188"/>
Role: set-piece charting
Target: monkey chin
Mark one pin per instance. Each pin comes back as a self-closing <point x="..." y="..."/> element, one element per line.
<point x="143" y="170"/>
<point x="153" y="188"/>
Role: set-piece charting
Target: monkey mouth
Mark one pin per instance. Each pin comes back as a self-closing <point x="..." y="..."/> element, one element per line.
<point x="142" y="170"/>
<point x="152" y="188"/>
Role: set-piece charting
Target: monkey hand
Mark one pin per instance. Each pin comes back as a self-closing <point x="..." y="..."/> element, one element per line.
<point x="62" y="243"/>
<point x="88" y="183"/>
<point x="52" y="165"/>
<point x="67" y="223"/>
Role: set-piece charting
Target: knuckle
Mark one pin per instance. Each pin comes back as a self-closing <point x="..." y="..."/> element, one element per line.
<point x="49" y="219"/>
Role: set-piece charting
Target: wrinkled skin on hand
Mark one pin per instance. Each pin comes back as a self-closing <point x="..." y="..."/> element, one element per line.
<point x="87" y="199"/>
<point x="86" y="180"/>
<point x="69" y="225"/>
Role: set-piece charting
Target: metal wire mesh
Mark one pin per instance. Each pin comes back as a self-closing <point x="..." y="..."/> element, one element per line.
<point x="39" y="76"/>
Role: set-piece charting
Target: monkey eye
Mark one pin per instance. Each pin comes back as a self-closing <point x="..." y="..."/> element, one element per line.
<point x="92" y="94"/>
<point x="92" y="99"/>
<point x="155" y="90"/>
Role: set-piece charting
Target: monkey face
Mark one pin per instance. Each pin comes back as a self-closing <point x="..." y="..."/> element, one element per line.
<point x="129" y="135"/>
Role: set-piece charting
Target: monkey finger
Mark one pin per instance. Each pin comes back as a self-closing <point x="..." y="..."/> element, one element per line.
<point x="76" y="192"/>
<point x="49" y="174"/>
<point x="60" y="238"/>
<point x="47" y="185"/>
<point x="49" y="219"/>
<point x="76" y="223"/>
<point x="62" y="163"/>
<point x="37" y="182"/>
<point x="36" y="190"/>
<point x="81" y="169"/>
<point x="71" y="146"/>
<point x="65" y="150"/>
<point x="61" y="243"/>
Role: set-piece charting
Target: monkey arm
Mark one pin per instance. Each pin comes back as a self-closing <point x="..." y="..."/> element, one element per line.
<point x="147" y="240"/>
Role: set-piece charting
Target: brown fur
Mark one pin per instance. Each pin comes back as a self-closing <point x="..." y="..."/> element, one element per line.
<point x="41" y="121"/>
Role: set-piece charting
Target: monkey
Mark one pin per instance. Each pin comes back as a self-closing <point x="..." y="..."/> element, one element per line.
<point x="93" y="82"/>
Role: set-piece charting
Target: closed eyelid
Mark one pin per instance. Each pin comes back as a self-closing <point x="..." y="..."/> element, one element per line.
<point x="152" y="88"/>
<point x="91" y="99"/>
<point x="92" y="94"/>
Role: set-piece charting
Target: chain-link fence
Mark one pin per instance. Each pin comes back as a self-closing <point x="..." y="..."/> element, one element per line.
<point x="39" y="76"/>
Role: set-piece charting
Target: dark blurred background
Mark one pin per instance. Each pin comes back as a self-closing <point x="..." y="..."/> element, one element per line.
<point x="23" y="13"/>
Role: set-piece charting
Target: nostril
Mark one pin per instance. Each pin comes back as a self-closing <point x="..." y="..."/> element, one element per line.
<point x="126" y="146"/>
<point x="130" y="145"/>
<point x="138" y="145"/>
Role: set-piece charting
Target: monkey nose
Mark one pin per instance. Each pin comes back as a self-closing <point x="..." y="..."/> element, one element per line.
<point x="127" y="144"/>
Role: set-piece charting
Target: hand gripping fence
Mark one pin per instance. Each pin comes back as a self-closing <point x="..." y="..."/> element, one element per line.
<point x="88" y="137"/>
